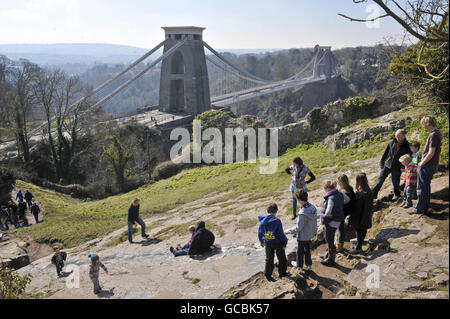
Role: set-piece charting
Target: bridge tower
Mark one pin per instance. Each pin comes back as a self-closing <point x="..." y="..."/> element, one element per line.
<point x="325" y="62"/>
<point x="184" y="85"/>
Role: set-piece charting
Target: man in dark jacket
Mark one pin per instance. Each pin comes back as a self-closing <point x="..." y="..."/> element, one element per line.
<point x="28" y="197"/>
<point x="390" y="164"/>
<point x="272" y="237"/>
<point x="35" y="210"/>
<point x="202" y="241"/>
<point x="133" y="217"/>
<point x="23" y="212"/>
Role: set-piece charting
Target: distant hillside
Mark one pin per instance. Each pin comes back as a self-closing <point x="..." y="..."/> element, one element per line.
<point x="76" y="58"/>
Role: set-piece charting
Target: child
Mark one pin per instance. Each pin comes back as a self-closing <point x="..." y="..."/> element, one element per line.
<point x="94" y="271"/>
<point x="331" y="216"/>
<point x="272" y="237"/>
<point x="306" y="229"/>
<point x="58" y="260"/>
<point x="180" y="251"/>
<point x="299" y="172"/>
<point x="416" y="153"/>
<point x="345" y="188"/>
<point x="361" y="215"/>
<point x="410" y="180"/>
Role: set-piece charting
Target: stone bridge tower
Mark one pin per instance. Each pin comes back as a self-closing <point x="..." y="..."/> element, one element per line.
<point x="184" y="84"/>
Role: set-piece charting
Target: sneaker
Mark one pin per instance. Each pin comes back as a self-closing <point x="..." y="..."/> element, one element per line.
<point x="294" y="263"/>
<point x="402" y="204"/>
<point x="395" y="198"/>
<point x="355" y="251"/>
<point x="269" y="278"/>
<point x="145" y="236"/>
<point x="294" y="217"/>
<point x="309" y="267"/>
<point x="408" y="205"/>
<point x="172" y="250"/>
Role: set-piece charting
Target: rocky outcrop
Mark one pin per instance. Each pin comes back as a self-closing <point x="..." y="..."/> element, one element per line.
<point x="322" y="122"/>
<point x="408" y="258"/>
<point x="384" y="126"/>
<point x="13" y="253"/>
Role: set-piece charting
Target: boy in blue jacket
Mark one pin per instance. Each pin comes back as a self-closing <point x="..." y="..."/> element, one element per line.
<point x="272" y="237"/>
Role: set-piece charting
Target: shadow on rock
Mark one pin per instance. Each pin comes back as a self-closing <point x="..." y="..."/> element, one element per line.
<point x="393" y="233"/>
<point x="215" y="250"/>
<point x="106" y="293"/>
<point x="148" y="242"/>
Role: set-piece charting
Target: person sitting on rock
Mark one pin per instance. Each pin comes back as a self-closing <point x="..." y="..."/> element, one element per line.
<point x="202" y="240"/>
<point x="272" y="237"/>
<point x="181" y="251"/>
<point x="58" y="260"/>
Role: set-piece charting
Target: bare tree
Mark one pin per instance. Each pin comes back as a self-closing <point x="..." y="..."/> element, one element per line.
<point x="17" y="99"/>
<point x="56" y="92"/>
<point x="425" y="20"/>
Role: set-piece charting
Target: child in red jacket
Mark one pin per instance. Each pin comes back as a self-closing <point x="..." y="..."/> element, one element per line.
<point x="410" y="180"/>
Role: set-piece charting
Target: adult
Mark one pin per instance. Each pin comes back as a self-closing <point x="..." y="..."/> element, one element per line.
<point x="298" y="171"/>
<point x="347" y="189"/>
<point x="13" y="213"/>
<point x="202" y="241"/>
<point x="133" y="217"/>
<point x="28" y="198"/>
<point x="361" y="215"/>
<point x="35" y="210"/>
<point x="331" y="216"/>
<point x="19" y="195"/>
<point x="389" y="163"/>
<point x="428" y="165"/>
<point x="23" y="212"/>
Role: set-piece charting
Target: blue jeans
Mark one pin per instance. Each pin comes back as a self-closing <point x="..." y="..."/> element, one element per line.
<point x="395" y="175"/>
<point x="183" y="251"/>
<point x="130" y="228"/>
<point x="424" y="176"/>
<point x="409" y="194"/>
<point x="294" y="205"/>
<point x="329" y="236"/>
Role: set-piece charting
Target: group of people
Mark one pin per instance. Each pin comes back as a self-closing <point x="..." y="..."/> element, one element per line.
<point x="15" y="214"/>
<point x="342" y="200"/>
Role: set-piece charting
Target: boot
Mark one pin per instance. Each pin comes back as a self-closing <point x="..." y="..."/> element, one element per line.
<point x="340" y="248"/>
<point x="331" y="255"/>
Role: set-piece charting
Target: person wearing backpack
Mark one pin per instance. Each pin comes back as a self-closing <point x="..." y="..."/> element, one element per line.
<point x="306" y="229"/>
<point x="331" y="216"/>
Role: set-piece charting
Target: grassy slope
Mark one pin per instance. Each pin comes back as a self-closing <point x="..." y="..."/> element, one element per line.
<point x="73" y="222"/>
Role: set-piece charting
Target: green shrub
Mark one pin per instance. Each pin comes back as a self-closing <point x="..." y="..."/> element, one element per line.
<point x="12" y="285"/>
<point x="359" y="108"/>
<point x="166" y="170"/>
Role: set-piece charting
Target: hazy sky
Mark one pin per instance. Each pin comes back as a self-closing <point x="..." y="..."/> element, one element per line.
<point x="229" y="23"/>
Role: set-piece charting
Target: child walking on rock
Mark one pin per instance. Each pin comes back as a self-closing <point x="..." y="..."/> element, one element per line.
<point x="94" y="271"/>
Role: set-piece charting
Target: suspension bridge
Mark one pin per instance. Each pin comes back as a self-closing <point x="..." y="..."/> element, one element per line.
<point x="186" y="89"/>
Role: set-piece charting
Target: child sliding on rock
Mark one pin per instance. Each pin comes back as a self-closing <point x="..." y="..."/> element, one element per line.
<point x="94" y="271"/>
<point x="58" y="260"/>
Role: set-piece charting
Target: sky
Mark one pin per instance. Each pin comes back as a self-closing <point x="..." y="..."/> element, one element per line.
<point x="230" y="24"/>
